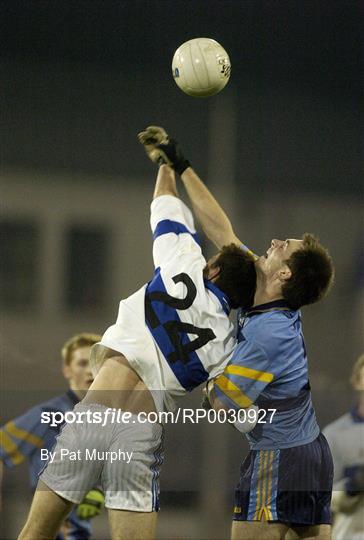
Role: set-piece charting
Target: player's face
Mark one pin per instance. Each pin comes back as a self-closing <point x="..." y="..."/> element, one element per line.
<point x="78" y="372"/>
<point x="278" y="252"/>
<point x="359" y="383"/>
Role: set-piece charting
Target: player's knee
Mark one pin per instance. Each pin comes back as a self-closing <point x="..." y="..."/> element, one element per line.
<point x="313" y="532"/>
<point x="132" y="525"/>
<point x="248" y="530"/>
<point x="30" y="532"/>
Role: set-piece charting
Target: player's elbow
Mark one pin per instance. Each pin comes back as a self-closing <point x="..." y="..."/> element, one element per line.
<point x="219" y="405"/>
<point x="244" y="419"/>
<point x="221" y="235"/>
<point x="247" y="419"/>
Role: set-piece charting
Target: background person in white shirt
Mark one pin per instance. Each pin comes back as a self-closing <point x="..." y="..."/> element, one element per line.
<point x="346" y="439"/>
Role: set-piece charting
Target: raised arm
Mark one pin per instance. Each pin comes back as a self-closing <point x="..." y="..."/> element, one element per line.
<point x="165" y="183"/>
<point x="215" y="223"/>
<point x="171" y="221"/>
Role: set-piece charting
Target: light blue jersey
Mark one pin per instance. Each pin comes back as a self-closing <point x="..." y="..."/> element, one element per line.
<point x="25" y="436"/>
<point x="269" y="368"/>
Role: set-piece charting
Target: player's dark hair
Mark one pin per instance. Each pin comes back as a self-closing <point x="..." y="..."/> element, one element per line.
<point x="237" y="277"/>
<point x="312" y="274"/>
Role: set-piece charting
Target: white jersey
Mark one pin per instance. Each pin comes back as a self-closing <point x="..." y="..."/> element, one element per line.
<point x="174" y="331"/>
<point x="346" y="439"/>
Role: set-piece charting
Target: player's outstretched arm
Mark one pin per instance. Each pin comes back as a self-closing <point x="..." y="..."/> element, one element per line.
<point x="215" y="223"/>
<point x="161" y="148"/>
<point x="165" y="183"/>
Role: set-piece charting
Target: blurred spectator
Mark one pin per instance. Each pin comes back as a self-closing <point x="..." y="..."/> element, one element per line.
<point x="26" y="435"/>
<point x="346" y="438"/>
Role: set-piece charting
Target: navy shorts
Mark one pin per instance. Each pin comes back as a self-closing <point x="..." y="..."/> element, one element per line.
<point x="292" y="485"/>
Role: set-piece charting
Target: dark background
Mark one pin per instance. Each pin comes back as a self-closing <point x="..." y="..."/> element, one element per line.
<point x="114" y="58"/>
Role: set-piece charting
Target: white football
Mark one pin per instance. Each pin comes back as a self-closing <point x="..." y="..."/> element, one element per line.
<point x="201" y="67"/>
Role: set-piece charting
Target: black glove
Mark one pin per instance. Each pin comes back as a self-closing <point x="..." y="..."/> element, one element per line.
<point x="161" y="149"/>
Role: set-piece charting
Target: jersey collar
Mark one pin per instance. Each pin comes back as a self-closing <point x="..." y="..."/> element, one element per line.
<point x="73" y="397"/>
<point x="222" y="297"/>
<point x="277" y="305"/>
<point x="356" y="416"/>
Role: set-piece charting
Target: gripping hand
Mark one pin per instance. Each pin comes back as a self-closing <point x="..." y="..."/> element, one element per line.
<point x="205" y="403"/>
<point x="91" y="505"/>
<point x="160" y="148"/>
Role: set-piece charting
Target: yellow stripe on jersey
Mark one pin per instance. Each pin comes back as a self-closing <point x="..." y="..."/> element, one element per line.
<point x="249" y="252"/>
<point x="252" y="255"/>
<point x="232" y="391"/>
<point x="10" y="448"/>
<point x="263" y="376"/>
<point x="23" y="435"/>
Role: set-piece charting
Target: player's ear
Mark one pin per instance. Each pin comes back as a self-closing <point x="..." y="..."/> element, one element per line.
<point x="66" y="371"/>
<point x="213" y="273"/>
<point x="284" y="273"/>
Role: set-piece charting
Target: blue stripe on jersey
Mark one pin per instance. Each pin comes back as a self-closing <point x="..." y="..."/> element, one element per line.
<point x="168" y="226"/>
<point x="191" y="373"/>
<point x="223" y="299"/>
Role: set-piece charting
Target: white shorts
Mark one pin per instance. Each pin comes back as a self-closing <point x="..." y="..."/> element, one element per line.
<point x="123" y="459"/>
